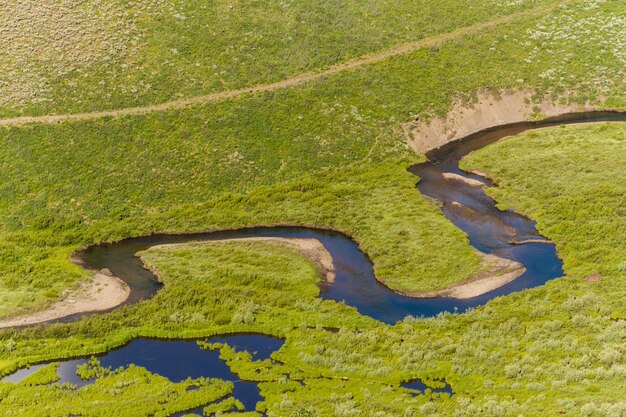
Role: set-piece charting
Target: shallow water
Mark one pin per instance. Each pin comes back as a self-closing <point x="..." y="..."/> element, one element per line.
<point x="355" y="283"/>
<point x="420" y="387"/>
<point x="175" y="360"/>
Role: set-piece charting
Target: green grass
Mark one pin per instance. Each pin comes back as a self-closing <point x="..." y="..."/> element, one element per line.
<point x="354" y="200"/>
<point x="152" y="51"/>
<point x="578" y="202"/>
<point x="555" y="349"/>
<point x="330" y="154"/>
<point x="47" y="375"/>
<point x="573" y="50"/>
<point x="129" y="392"/>
<point x="80" y="183"/>
<point x="238" y="287"/>
<point x="239" y="284"/>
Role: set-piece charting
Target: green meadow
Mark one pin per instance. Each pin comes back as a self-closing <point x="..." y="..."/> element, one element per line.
<point x="201" y="168"/>
<point x="584" y="203"/>
<point x="555" y="349"/>
<point x="127" y="53"/>
<point x="328" y="153"/>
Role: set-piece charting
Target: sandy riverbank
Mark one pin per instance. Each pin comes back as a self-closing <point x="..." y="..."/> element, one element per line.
<point x="101" y="293"/>
<point x="496" y="273"/>
<point x="469" y="181"/>
<point x="312" y="249"/>
<point x="105" y="291"/>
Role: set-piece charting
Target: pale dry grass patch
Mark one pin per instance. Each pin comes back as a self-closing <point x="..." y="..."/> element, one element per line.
<point x="601" y="37"/>
<point x="47" y="39"/>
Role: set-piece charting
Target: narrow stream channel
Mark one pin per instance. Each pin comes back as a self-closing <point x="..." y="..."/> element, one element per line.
<point x="468" y="207"/>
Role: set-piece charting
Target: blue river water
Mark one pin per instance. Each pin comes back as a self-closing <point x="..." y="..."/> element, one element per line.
<point x="467" y="206"/>
<point x="176" y="360"/>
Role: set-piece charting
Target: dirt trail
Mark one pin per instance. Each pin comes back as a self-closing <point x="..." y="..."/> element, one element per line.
<point x="289" y="82"/>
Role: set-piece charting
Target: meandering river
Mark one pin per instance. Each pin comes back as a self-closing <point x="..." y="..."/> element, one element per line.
<point x="465" y="204"/>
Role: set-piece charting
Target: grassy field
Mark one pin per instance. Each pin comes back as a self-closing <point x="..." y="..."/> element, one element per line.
<point x="576" y="210"/>
<point x="35" y="397"/>
<point x="354" y="200"/>
<point x="555" y="349"/>
<point x="122" y="53"/>
<point x="328" y="153"/>
<point x="204" y="167"/>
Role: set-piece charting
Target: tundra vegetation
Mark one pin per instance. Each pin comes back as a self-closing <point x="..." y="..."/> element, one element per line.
<point x="122" y="53"/>
<point x="267" y="158"/>
<point x="553" y="349"/>
<point x="328" y="153"/>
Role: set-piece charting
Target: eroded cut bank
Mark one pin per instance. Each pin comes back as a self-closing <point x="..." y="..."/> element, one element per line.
<point x="488" y="111"/>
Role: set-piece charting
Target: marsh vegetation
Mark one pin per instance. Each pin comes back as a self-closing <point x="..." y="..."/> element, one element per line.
<point x="328" y="153"/>
<point x="568" y="334"/>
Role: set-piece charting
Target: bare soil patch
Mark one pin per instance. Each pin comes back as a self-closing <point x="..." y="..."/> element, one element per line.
<point x="595" y="277"/>
<point x="489" y="111"/>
